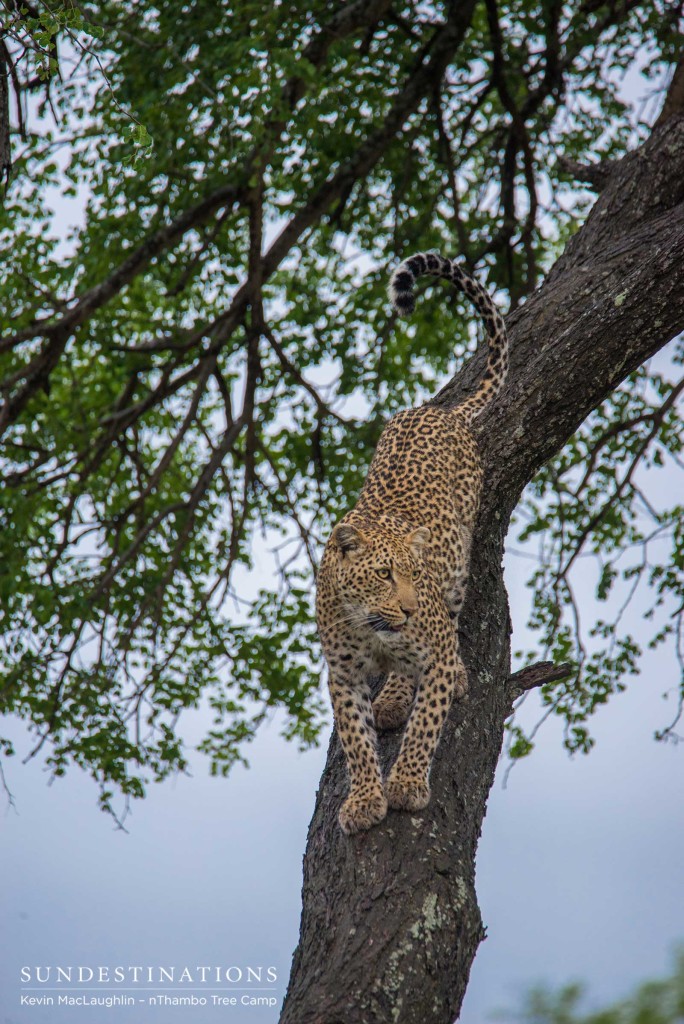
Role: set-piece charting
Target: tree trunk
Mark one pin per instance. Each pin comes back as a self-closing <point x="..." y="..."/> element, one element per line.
<point x="390" y="922"/>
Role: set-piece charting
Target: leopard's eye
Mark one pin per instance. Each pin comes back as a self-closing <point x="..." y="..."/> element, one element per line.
<point x="415" y="574"/>
<point x="384" y="574"/>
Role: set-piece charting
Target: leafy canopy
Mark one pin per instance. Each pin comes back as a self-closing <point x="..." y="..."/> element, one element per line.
<point x="196" y="373"/>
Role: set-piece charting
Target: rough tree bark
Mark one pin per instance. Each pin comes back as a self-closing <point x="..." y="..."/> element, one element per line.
<point x="390" y="922"/>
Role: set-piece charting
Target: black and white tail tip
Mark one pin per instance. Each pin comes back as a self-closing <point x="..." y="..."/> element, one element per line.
<point x="401" y="293"/>
<point x="403" y="280"/>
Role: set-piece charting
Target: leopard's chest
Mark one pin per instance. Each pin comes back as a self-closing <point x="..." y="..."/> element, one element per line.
<point x="393" y="652"/>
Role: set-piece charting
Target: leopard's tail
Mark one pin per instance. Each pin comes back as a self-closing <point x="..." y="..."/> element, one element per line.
<point x="401" y="293"/>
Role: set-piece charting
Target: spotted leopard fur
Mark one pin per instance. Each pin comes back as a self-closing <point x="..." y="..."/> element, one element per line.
<point x="393" y="576"/>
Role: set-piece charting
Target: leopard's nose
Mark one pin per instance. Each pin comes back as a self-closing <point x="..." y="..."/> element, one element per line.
<point x="408" y="607"/>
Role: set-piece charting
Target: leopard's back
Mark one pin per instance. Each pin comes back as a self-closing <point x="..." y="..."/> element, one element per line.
<point x="426" y="471"/>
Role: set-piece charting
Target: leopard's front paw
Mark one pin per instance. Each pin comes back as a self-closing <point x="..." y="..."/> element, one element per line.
<point x="407" y="793"/>
<point x="362" y="810"/>
<point x="390" y="714"/>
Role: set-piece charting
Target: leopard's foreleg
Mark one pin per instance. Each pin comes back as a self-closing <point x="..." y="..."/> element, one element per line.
<point x="407" y="786"/>
<point x="366" y="803"/>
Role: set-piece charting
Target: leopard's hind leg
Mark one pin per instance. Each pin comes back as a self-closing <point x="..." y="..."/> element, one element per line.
<point x="392" y="706"/>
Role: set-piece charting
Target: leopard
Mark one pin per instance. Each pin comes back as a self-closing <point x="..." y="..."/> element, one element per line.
<point x="393" y="574"/>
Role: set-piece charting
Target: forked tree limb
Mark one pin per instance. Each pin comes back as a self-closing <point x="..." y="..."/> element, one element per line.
<point x="390" y="922"/>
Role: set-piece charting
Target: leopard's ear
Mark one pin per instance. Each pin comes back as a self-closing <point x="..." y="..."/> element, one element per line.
<point x="417" y="539"/>
<point x="348" y="539"/>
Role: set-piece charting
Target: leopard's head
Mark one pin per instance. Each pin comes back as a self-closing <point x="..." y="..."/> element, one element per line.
<point x="378" y="574"/>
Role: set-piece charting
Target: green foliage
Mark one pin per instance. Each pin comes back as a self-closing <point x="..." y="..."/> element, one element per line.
<point x="33" y="36"/>
<point x="197" y="373"/>
<point x="600" y="498"/>
<point x="653" y="1002"/>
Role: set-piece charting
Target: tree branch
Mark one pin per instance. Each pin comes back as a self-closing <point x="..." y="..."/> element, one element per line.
<point x="656" y="422"/>
<point x="595" y="175"/>
<point x="674" y="99"/>
<point x="5" y="127"/>
<point x="539" y="674"/>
